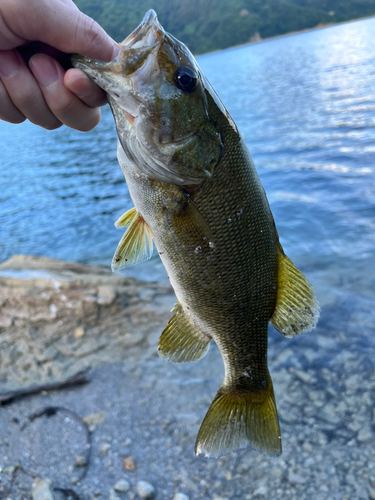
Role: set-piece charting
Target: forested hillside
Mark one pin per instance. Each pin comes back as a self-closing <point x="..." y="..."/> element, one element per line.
<point x="206" y="25"/>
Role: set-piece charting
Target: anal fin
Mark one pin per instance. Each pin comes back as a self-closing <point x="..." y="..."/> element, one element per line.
<point x="180" y="342"/>
<point x="136" y="244"/>
<point x="297" y="308"/>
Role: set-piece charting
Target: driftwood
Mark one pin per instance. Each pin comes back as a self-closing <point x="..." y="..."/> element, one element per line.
<point x="78" y="379"/>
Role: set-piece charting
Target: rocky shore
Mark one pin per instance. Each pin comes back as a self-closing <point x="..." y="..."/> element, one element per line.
<point x="58" y="318"/>
<point x="128" y="432"/>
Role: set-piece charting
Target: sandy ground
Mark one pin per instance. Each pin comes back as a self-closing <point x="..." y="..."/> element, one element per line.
<point x="142" y="407"/>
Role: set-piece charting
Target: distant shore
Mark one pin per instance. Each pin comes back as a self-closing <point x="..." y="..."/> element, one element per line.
<point x="285" y="35"/>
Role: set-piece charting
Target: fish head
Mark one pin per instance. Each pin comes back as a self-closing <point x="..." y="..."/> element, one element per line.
<point x="158" y="97"/>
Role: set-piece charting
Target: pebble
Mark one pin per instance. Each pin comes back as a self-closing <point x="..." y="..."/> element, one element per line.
<point x="112" y="495"/>
<point x="145" y="490"/>
<point x="129" y="463"/>
<point x="95" y="418"/>
<point x="180" y="496"/>
<point x="41" y="489"/>
<point x="262" y="491"/>
<point x="79" y="332"/>
<point x="295" y="478"/>
<point x="365" y="435"/>
<point x="81" y="461"/>
<point x="122" y="486"/>
<point x="371" y="492"/>
<point x="104" y="448"/>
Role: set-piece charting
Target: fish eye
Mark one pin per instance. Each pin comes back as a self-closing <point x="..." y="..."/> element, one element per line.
<point x="186" y="79"/>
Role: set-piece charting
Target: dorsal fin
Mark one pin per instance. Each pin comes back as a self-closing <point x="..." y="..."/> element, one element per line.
<point x="136" y="244"/>
<point x="180" y="342"/>
<point x="297" y="308"/>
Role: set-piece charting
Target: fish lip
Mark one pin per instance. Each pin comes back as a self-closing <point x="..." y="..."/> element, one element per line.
<point x="149" y="22"/>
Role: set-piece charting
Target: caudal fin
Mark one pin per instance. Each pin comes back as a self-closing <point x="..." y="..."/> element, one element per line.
<point x="236" y="419"/>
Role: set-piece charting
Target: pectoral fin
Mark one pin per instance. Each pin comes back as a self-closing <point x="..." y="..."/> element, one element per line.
<point x="180" y="342"/>
<point x="136" y="244"/>
<point x="297" y="308"/>
<point x="192" y="218"/>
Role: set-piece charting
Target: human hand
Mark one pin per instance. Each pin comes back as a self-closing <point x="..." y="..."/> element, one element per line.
<point x="41" y="90"/>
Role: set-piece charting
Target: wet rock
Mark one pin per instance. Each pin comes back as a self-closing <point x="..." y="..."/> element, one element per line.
<point x="261" y="491"/>
<point x="95" y="418"/>
<point x="41" y="489"/>
<point x="371" y="492"/>
<point x="112" y="495"/>
<point x="365" y="435"/>
<point x="104" y="448"/>
<point x="145" y="490"/>
<point x="81" y="461"/>
<point x="180" y="496"/>
<point x="129" y="463"/>
<point x="122" y="486"/>
<point x="79" y="332"/>
<point x="295" y="478"/>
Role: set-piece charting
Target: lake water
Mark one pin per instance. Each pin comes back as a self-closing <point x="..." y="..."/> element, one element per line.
<point x="305" y="105"/>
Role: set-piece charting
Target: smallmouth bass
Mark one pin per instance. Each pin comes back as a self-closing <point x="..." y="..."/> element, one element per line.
<point x="197" y="195"/>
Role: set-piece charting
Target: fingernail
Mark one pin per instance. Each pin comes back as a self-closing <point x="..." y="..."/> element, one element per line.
<point x="44" y="69"/>
<point x="116" y="51"/>
<point x="9" y="64"/>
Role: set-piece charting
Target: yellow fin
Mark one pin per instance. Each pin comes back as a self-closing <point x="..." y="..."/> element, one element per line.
<point x="127" y="218"/>
<point x="180" y="342"/>
<point x="297" y="308"/>
<point x="236" y="419"/>
<point x="136" y="244"/>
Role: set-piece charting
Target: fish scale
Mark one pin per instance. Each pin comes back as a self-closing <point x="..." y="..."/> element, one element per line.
<point x="197" y="194"/>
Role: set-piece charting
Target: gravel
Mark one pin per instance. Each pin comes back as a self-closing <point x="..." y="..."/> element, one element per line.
<point x="145" y="408"/>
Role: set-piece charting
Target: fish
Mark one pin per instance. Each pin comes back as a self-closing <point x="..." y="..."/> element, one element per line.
<point x="197" y="197"/>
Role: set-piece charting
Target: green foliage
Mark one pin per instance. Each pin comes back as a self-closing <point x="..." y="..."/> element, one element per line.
<point x="206" y="25"/>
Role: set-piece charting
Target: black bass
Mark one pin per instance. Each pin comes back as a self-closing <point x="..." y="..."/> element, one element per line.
<point x="197" y="195"/>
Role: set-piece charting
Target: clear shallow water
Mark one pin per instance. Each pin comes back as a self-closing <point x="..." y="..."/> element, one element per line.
<point x="305" y="105"/>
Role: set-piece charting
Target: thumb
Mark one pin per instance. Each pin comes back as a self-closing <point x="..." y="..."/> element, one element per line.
<point x="58" y="24"/>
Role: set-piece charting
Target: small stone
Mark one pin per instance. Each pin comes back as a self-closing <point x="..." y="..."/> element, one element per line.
<point x="180" y="496"/>
<point x="79" y="332"/>
<point x="95" y="418"/>
<point x="276" y="472"/>
<point x="145" y="490"/>
<point x="81" y="461"/>
<point x="228" y="475"/>
<point x="295" y="478"/>
<point x="104" y="448"/>
<point x="307" y="447"/>
<point x="262" y="491"/>
<point x="371" y="492"/>
<point x="112" y="495"/>
<point x="365" y="435"/>
<point x="74" y="479"/>
<point x="41" y="489"/>
<point x="129" y="463"/>
<point x="122" y="486"/>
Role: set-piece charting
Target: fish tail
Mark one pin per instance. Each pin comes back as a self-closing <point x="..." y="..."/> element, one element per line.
<point x="241" y="417"/>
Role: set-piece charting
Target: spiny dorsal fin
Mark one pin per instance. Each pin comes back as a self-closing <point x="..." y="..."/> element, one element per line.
<point x="180" y="342"/>
<point x="297" y="308"/>
<point x="238" y="418"/>
<point x="136" y="244"/>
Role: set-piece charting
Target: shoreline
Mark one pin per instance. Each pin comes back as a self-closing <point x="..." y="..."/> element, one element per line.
<point x="285" y="35"/>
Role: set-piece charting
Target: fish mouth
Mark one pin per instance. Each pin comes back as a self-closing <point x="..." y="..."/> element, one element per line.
<point x="134" y="51"/>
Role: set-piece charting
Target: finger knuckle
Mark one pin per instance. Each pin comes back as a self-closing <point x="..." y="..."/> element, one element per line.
<point x="93" y="33"/>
